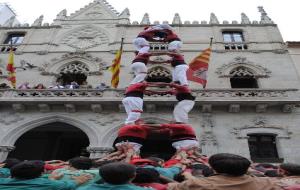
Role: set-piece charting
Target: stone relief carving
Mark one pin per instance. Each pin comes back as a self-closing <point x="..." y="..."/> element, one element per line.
<point x="245" y="19"/>
<point x="242" y="66"/>
<point x="25" y="65"/>
<point x="75" y="68"/>
<point x="74" y="60"/>
<point x="61" y="15"/>
<point x="10" y="21"/>
<point x="6" y="149"/>
<point x="213" y="19"/>
<point x="125" y="15"/>
<point x="207" y="120"/>
<point x="105" y="119"/>
<point x="159" y="72"/>
<point x="160" y="59"/>
<point x="10" y="118"/>
<point x="3" y="72"/>
<point x="176" y="19"/>
<point x="260" y="121"/>
<point x="208" y="140"/>
<point x="85" y="37"/>
<point x="146" y="19"/>
<point x="94" y="15"/>
<point x="38" y="21"/>
<point x="260" y="124"/>
<point x="265" y="19"/>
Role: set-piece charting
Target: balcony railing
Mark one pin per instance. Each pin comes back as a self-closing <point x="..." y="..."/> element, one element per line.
<point x="7" y="47"/>
<point x="207" y="94"/>
<point x="158" y="46"/>
<point x="235" y="46"/>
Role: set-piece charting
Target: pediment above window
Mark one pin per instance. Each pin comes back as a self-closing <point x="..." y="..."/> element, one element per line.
<point x="240" y="66"/>
<point x="74" y="62"/>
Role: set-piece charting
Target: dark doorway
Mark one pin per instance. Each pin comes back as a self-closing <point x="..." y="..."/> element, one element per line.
<point x="243" y="82"/>
<point x="158" y="145"/>
<point x="263" y="148"/>
<point x="50" y="142"/>
<point x="67" y="78"/>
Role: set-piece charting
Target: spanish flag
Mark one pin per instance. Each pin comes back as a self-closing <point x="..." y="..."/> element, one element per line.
<point x="11" y="69"/>
<point x="115" y="67"/>
<point x="198" y="67"/>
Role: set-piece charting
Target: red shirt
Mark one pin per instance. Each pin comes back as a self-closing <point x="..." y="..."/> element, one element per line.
<point x="148" y="34"/>
<point x="132" y="130"/>
<point x="140" y="87"/>
<point x="172" y="36"/>
<point x="142" y="57"/>
<point x="177" y="59"/>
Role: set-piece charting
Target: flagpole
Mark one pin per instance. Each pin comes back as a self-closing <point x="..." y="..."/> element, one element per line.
<point x="210" y="43"/>
<point x="11" y="52"/>
<point x="122" y="42"/>
<point x="210" y="46"/>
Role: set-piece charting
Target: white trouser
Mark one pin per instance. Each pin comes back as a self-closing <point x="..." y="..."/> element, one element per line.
<point x="133" y="107"/>
<point x="179" y="74"/>
<point x="185" y="144"/>
<point x="182" y="110"/>
<point x="140" y="71"/>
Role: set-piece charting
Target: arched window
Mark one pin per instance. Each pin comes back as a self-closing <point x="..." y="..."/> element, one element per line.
<point x="263" y="147"/>
<point x="242" y="77"/>
<point x="75" y="71"/>
<point x="159" y="74"/>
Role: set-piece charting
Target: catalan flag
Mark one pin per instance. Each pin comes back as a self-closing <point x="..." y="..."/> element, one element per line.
<point x="11" y="69"/>
<point x="198" y="67"/>
<point x="115" y="67"/>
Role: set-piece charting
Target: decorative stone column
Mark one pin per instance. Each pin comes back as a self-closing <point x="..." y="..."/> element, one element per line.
<point x="4" y="151"/>
<point x="98" y="152"/>
<point x="209" y="143"/>
<point x="208" y="140"/>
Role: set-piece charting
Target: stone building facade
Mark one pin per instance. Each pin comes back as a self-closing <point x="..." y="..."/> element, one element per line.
<point x="249" y="106"/>
<point x="294" y="51"/>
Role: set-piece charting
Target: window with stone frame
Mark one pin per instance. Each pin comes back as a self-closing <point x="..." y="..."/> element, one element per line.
<point x="74" y="72"/>
<point x="263" y="148"/>
<point x="234" y="40"/>
<point x="159" y="74"/>
<point x="242" y="77"/>
<point x="14" y="38"/>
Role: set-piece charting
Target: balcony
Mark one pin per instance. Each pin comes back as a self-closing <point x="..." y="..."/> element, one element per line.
<point x="5" y="48"/>
<point x="158" y="46"/>
<point x="236" y="46"/>
<point x="217" y="96"/>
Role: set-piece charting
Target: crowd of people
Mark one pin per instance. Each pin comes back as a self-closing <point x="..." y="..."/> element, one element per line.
<point x="191" y="171"/>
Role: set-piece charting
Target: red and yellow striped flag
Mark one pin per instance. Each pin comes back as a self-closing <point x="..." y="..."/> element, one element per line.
<point x="115" y="67"/>
<point x="11" y="69"/>
<point x="198" y="67"/>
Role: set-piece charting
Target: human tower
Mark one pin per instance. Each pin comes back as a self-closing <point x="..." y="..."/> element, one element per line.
<point x="133" y="134"/>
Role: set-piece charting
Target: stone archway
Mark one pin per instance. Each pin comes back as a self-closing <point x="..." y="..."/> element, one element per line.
<point x="9" y="140"/>
<point x="53" y="141"/>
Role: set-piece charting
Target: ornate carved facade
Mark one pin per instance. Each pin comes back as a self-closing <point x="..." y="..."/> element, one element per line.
<point x="85" y="42"/>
